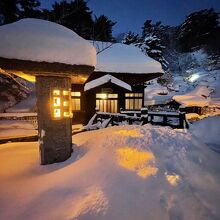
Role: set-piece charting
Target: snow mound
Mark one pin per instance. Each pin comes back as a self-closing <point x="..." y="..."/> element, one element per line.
<point x="121" y="58"/>
<point x="105" y="79"/>
<point x="207" y="130"/>
<point x="198" y="97"/>
<point x="40" y="40"/>
<point x="121" y="173"/>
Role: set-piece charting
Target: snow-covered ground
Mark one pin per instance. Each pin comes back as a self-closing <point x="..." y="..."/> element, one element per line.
<point x="207" y="131"/>
<point x="14" y="128"/>
<point x="127" y="173"/>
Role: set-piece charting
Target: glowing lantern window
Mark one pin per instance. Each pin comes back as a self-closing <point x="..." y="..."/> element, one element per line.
<point x="56" y="92"/>
<point x="66" y="114"/>
<point x="56" y="101"/>
<point x="57" y="113"/>
<point x="65" y="92"/>
<point x="65" y="103"/>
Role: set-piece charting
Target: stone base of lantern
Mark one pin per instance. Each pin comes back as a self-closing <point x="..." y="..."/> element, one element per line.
<point x="55" y="133"/>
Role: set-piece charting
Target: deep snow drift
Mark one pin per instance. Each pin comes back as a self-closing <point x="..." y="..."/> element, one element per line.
<point x="127" y="173"/>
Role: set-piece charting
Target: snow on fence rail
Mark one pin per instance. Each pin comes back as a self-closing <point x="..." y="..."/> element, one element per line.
<point x="104" y="119"/>
<point x="31" y="117"/>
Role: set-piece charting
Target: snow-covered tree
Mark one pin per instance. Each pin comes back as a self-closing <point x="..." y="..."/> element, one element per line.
<point x="150" y="41"/>
<point x="130" y="38"/>
<point x="199" y="28"/>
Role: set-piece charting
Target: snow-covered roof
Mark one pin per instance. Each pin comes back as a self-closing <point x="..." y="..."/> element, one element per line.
<point x="198" y="97"/>
<point x="105" y="79"/>
<point x="40" y="40"/>
<point x="121" y="58"/>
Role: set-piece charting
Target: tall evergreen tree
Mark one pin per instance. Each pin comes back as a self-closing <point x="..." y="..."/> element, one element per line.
<point x="130" y="38"/>
<point x="75" y="15"/>
<point x="8" y="11"/>
<point x="29" y="8"/>
<point x="103" y="29"/>
<point x="199" y="28"/>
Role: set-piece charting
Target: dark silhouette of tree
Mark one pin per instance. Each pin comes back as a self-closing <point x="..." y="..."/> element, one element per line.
<point x="8" y="11"/>
<point x="102" y="30"/>
<point x="29" y="8"/>
<point x="130" y="38"/>
<point x="199" y="28"/>
<point x="74" y="15"/>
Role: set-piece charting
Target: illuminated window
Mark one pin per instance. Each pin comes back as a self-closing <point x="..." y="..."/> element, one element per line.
<point x="57" y="113"/>
<point x="76" y="104"/>
<point x="56" y="101"/>
<point x="106" y="96"/>
<point x="65" y="92"/>
<point x="133" y="95"/>
<point x="133" y="101"/>
<point x="101" y="96"/>
<point x="76" y="94"/>
<point x="76" y="101"/>
<point x="56" y="92"/>
<point x="107" y="102"/>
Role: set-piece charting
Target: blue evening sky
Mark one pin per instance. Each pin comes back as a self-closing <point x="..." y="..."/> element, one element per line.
<point x="131" y="14"/>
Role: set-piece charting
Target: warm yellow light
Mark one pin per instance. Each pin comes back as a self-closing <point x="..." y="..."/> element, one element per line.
<point x="66" y="114"/>
<point x="66" y="103"/>
<point x="140" y="162"/>
<point x="173" y="179"/>
<point x="65" y="92"/>
<point x="57" y="113"/>
<point x="56" y="101"/>
<point x="129" y="133"/>
<point x="101" y="96"/>
<point x="56" y="92"/>
<point x="78" y="94"/>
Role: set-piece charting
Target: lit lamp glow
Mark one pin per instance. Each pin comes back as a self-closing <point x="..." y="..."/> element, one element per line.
<point x="57" y="113"/>
<point x="56" y="101"/>
<point x="194" y="77"/>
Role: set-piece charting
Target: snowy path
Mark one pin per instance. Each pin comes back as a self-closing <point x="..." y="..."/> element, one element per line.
<point x="120" y="173"/>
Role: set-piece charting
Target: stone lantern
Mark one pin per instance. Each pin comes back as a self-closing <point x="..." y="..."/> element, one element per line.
<point x="57" y="57"/>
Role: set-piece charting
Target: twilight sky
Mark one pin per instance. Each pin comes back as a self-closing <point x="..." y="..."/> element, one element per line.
<point x="131" y="14"/>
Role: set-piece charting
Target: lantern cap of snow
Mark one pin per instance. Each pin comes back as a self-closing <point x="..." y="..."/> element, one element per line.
<point x="42" y="47"/>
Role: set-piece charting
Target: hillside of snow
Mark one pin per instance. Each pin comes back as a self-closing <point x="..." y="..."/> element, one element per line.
<point x="129" y="172"/>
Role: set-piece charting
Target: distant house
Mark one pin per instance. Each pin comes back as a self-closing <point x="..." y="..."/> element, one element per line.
<point x="118" y="81"/>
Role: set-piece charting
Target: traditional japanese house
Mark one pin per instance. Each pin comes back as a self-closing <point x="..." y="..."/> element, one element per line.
<point x="117" y="83"/>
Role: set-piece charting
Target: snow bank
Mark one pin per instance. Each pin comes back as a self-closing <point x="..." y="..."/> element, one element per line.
<point x="121" y="58"/>
<point x="155" y="94"/>
<point x="198" y="97"/>
<point x="207" y="130"/>
<point x="105" y="79"/>
<point x="121" y="173"/>
<point x="40" y="40"/>
<point x="13" y="128"/>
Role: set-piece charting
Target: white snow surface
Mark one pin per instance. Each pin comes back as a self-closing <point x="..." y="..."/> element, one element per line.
<point x="121" y="58"/>
<point x="40" y="40"/>
<point x="200" y="96"/>
<point x="120" y="173"/>
<point x="155" y="94"/>
<point x="207" y="130"/>
<point x="16" y="128"/>
<point x="105" y="79"/>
